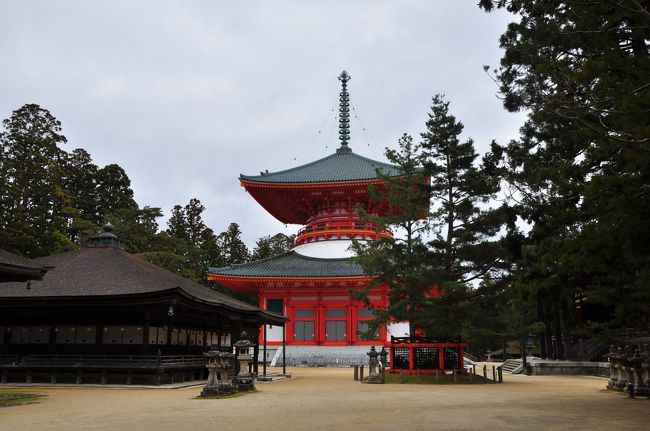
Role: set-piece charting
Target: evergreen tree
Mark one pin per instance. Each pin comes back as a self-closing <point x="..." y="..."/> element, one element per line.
<point x="404" y="263"/>
<point x="269" y="246"/>
<point x="114" y="190"/>
<point x="580" y="169"/>
<point x="465" y="227"/>
<point x="233" y="249"/>
<point x="32" y="193"/>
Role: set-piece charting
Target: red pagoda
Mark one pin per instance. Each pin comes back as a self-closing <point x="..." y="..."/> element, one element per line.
<point x="311" y="284"/>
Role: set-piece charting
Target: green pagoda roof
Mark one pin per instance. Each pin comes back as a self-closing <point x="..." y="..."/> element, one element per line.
<point x="342" y="166"/>
<point x="292" y="264"/>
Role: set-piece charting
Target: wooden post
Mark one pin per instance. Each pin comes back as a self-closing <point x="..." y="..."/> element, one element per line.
<point x="436" y="380"/>
<point x="484" y="374"/>
<point x="455" y="376"/>
<point x="356" y="373"/>
<point x="264" y="353"/>
<point x="500" y="370"/>
<point x="284" y="348"/>
<point x="494" y="374"/>
<point x="361" y="373"/>
<point x="471" y="377"/>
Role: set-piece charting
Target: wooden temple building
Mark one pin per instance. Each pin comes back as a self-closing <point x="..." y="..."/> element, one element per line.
<point x="103" y="315"/>
<point x="311" y="284"/>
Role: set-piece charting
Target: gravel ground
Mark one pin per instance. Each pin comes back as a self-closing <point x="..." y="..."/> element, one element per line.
<point x="327" y="399"/>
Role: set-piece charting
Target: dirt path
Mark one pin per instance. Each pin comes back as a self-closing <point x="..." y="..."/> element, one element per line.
<point x="328" y="399"/>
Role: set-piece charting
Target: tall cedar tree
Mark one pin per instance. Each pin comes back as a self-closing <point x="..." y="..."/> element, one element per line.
<point x="581" y="168"/>
<point x="32" y="193"/>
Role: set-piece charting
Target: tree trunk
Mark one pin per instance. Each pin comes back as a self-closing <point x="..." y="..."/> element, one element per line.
<point x="550" y="353"/>
<point x="566" y="328"/>
<point x="542" y="335"/>
<point x="558" y="330"/>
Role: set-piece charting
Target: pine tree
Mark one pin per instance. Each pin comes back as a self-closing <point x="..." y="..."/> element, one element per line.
<point x="581" y="167"/>
<point x="403" y="263"/>
<point x="466" y="229"/>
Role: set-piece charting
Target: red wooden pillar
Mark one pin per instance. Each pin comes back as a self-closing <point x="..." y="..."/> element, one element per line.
<point x="411" y="358"/>
<point x="441" y="358"/>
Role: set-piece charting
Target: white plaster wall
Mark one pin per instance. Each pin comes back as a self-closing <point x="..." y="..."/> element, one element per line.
<point x="331" y="249"/>
<point x="399" y="329"/>
<point x="273" y="333"/>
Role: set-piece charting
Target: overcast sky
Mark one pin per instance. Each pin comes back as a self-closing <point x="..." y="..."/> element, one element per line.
<point x="187" y="95"/>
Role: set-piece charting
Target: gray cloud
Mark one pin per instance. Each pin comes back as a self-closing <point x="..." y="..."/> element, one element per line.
<point x="188" y="95"/>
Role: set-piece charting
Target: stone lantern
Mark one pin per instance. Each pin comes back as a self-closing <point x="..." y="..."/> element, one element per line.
<point x="226" y="371"/>
<point x="211" y="387"/>
<point x="373" y="376"/>
<point x="244" y="378"/>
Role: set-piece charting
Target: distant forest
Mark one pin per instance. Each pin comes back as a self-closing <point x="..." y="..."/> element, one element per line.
<point x="52" y="201"/>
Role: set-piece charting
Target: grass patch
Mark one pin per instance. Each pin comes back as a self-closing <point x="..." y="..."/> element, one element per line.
<point x="14" y="398"/>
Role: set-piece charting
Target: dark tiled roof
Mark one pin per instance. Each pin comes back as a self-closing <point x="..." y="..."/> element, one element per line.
<point x="105" y="271"/>
<point x="292" y="264"/>
<point x="17" y="268"/>
<point x="341" y="166"/>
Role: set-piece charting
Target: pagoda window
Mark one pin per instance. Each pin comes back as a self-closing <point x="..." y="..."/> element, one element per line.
<point x="303" y="331"/>
<point x="303" y="298"/>
<point x="225" y="339"/>
<point x="199" y="338"/>
<point x="275" y="306"/>
<point x="335" y="325"/>
<point x="365" y="331"/>
<point x="304" y="327"/>
<point x="193" y="337"/>
<point x="304" y="314"/>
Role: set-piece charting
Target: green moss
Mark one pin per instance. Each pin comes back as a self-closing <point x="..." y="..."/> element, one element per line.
<point x="15" y="398"/>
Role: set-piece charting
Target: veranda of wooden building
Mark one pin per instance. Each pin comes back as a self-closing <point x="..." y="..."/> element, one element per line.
<point x="103" y="315"/>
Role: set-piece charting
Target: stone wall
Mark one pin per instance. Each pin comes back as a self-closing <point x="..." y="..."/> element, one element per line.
<point x="572" y="368"/>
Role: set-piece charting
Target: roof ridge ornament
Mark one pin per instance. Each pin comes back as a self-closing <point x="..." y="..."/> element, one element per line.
<point x="344" y="113"/>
